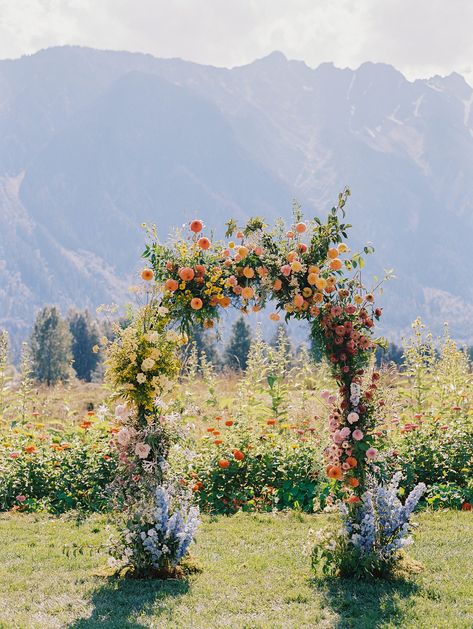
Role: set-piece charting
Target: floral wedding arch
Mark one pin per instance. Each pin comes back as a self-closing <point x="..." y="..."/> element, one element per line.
<point x="304" y="272"/>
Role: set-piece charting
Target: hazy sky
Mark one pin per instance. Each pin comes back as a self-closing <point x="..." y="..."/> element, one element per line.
<point x="419" y="37"/>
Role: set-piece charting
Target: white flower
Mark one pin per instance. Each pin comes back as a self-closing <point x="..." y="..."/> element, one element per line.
<point x="142" y="450"/>
<point x="140" y="378"/>
<point x="172" y="336"/>
<point x="148" y="364"/>
<point x="162" y="310"/>
<point x="159" y="403"/>
<point x="102" y="411"/>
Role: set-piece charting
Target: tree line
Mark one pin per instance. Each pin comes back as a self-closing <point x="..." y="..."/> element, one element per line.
<point x="60" y="347"/>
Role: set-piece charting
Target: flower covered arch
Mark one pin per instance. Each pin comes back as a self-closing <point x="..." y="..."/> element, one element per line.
<point x="306" y="272"/>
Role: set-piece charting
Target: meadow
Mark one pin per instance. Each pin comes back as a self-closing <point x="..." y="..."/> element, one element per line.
<point x="254" y="572"/>
<point x="251" y="449"/>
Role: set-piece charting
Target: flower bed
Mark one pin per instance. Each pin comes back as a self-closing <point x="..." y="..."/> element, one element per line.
<point x="56" y="468"/>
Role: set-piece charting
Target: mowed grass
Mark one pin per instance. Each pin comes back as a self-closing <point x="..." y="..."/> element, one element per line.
<point x="255" y="573"/>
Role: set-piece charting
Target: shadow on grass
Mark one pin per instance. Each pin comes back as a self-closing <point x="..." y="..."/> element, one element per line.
<point x="119" y="602"/>
<point x="367" y="604"/>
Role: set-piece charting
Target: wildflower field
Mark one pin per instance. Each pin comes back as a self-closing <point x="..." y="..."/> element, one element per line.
<point x="251" y="443"/>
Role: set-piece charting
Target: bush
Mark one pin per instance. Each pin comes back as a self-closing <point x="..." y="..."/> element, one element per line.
<point x="251" y="472"/>
<point x="436" y="453"/>
<point x="450" y="497"/>
<point x="56" y="471"/>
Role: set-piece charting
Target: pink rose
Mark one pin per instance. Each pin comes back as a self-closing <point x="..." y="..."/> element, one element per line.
<point x="142" y="450"/>
<point x="357" y="435"/>
<point x="345" y="432"/>
<point x="21" y="498"/>
<point x="353" y="417"/>
<point x="371" y="454"/>
<point x="286" y="270"/>
<point x="121" y="412"/>
<point x="123" y="437"/>
<point x="14" y="455"/>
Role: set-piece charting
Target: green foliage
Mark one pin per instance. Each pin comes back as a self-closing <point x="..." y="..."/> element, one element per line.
<point x="51" y="347"/>
<point x="437" y="453"/>
<point x="273" y="474"/>
<point x="25" y="392"/>
<point x="58" y="472"/>
<point x="419" y="358"/>
<point x="450" y="496"/>
<point x="433" y="439"/>
<point x="391" y="354"/>
<point x="85" y="335"/>
<point x="334" y="555"/>
<point x="238" y="348"/>
<point x="5" y="377"/>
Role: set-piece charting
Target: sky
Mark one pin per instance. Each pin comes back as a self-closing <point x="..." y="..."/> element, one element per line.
<point x="419" y="37"/>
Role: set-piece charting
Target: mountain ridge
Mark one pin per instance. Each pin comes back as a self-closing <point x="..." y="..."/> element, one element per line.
<point x="93" y="143"/>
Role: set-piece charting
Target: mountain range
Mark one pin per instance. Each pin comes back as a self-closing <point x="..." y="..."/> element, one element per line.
<point x="94" y="143"/>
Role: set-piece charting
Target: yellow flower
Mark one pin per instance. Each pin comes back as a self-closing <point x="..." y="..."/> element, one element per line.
<point x="182" y="285"/>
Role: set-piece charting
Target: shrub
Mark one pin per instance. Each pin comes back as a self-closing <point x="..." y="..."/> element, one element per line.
<point x="253" y="472"/>
<point x="56" y="470"/>
<point x="436" y="453"/>
<point x="450" y="496"/>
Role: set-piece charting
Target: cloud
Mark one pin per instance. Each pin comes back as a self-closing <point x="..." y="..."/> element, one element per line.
<point x="419" y="37"/>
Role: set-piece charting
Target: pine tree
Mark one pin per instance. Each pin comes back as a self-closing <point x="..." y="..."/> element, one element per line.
<point x="50" y="347"/>
<point x="85" y="335"/>
<point x="238" y="348"/>
<point x="392" y="354"/>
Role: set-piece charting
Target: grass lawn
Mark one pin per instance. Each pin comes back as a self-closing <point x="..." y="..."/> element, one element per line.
<point x="254" y="574"/>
